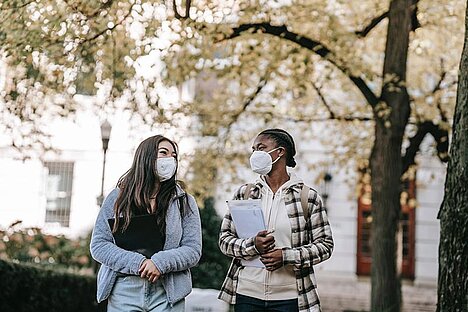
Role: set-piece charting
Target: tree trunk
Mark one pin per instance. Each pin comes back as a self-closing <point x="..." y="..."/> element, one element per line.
<point x="452" y="292"/>
<point x="386" y="160"/>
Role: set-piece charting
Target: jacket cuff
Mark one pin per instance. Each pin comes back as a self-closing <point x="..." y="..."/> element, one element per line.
<point x="250" y="248"/>
<point x="289" y="255"/>
<point x="139" y="259"/>
<point x="157" y="266"/>
<point x="159" y="263"/>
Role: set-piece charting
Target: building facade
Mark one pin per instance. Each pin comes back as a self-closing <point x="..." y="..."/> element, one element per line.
<point x="59" y="194"/>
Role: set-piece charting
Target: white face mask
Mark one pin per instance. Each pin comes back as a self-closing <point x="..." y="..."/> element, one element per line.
<point x="261" y="161"/>
<point x="166" y="167"/>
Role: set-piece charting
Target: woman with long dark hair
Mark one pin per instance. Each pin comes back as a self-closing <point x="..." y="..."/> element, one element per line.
<point x="297" y="237"/>
<point x="130" y="280"/>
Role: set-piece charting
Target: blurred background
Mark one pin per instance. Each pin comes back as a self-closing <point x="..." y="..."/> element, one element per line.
<point x="82" y="83"/>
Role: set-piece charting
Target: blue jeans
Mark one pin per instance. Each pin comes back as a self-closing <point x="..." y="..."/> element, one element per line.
<point x="250" y="304"/>
<point x="132" y="293"/>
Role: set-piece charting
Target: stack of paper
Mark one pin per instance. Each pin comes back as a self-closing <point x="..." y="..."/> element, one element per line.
<point x="248" y="219"/>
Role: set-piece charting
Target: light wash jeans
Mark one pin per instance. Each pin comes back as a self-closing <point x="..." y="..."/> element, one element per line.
<point x="135" y="294"/>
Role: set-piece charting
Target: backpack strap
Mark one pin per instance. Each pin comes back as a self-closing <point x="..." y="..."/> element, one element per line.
<point x="248" y="187"/>
<point x="182" y="200"/>
<point x="305" y="202"/>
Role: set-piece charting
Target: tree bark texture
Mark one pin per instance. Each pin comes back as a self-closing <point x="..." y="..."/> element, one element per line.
<point x="386" y="161"/>
<point x="452" y="294"/>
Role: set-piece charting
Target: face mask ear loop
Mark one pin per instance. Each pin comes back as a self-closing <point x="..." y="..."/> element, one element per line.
<point x="278" y="156"/>
<point x="276" y="160"/>
<point x="274" y="149"/>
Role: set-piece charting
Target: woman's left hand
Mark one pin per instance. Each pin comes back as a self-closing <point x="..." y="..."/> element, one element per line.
<point x="273" y="260"/>
<point x="149" y="271"/>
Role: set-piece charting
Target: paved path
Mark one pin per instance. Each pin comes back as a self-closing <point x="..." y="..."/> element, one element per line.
<point x="352" y="294"/>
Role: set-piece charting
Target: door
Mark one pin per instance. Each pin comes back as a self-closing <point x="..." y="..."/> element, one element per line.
<point x="406" y="233"/>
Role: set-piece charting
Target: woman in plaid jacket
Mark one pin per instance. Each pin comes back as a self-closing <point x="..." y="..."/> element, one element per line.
<point x="297" y="236"/>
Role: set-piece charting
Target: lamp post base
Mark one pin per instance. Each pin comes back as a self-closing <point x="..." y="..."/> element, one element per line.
<point x="99" y="200"/>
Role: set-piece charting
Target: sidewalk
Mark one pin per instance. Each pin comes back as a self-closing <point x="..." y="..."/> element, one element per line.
<point x="353" y="294"/>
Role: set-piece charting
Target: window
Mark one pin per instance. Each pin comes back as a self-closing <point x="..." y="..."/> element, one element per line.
<point x="59" y="179"/>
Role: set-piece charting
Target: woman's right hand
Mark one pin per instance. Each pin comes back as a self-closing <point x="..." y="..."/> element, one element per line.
<point x="149" y="271"/>
<point x="264" y="242"/>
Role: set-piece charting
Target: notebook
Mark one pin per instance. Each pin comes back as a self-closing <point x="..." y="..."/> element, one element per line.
<point x="142" y="235"/>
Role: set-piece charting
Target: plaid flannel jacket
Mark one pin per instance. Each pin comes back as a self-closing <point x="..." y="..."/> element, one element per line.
<point x="312" y="243"/>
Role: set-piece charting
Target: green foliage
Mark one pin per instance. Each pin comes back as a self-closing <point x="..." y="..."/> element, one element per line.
<point x="202" y="173"/>
<point x="31" y="245"/>
<point x="25" y="288"/>
<point x="213" y="265"/>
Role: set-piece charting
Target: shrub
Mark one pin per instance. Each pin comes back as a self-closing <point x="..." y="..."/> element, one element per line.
<point x="25" y="288"/>
<point x="33" y="246"/>
<point x="212" y="268"/>
<point x="30" y="245"/>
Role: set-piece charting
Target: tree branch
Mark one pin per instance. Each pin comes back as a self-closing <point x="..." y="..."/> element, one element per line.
<point x="438" y="87"/>
<point x="324" y="102"/>
<point x="337" y="118"/>
<point x="96" y="35"/>
<point x="362" y="33"/>
<point x="177" y="15"/>
<point x="376" y="20"/>
<point x="106" y="5"/>
<point x="74" y="7"/>
<point x="441" y="137"/>
<point x="109" y="28"/>
<point x="414" y="16"/>
<point x="187" y="8"/>
<point x="16" y="7"/>
<point x="312" y="45"/>
<point x="6" y="16"/>
<point x="320" y="119"/>
<point x="248" y="101"/>
<point x="443" y="74"/>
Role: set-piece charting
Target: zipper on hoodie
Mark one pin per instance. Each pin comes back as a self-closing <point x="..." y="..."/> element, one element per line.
<point x="266" y="288"/>
<point x="266" y="279"/>
<point x="271" y="224"/>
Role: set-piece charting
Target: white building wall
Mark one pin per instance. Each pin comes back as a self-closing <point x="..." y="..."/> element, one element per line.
<point x="78" y="140"/>
<point x="20" y="187"/>
<point x="429" y="193"/>
<point x="342" y="212"/>
<point x="23" y="183"/>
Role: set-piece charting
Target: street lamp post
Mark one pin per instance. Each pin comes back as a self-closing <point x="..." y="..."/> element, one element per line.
<point x="326" y="188"/>
<point x="106" y="128"/>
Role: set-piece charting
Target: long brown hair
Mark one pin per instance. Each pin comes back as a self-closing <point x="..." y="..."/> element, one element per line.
<point x="141" y="183"/>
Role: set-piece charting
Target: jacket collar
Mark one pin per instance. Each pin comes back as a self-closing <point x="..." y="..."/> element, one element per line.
<point x="179" y="192"/>
<point x="295" y="183"/>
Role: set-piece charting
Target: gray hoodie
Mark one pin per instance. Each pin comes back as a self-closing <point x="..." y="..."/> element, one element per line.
<point x="182" y="250"/>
